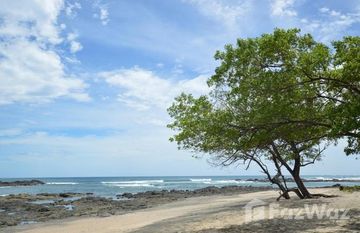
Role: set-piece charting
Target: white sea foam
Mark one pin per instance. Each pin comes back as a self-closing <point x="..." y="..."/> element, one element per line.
<point x="200" y="180"/>
<point x="336" y="178"/>
<point x="134" y="182"/>
<point x="349" y="178"/>
<point x="62" y="183"/>
<point x="322" y="178"/>
<point x="132" y="185"/>
<point x="228" y="182"/>
<point x="233" y="181"/>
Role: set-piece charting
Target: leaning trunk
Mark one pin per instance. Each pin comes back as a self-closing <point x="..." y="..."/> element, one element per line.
<point x="302" y="188"/>
<point x="296" y="175"/>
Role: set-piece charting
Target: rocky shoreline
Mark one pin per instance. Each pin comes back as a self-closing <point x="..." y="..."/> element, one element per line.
<point x="21" y="183"/>
<point x="23" y="209"/>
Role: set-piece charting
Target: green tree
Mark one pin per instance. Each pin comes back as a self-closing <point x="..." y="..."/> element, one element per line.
<point x="341" y="91"/>
<point x="262" y="106"/>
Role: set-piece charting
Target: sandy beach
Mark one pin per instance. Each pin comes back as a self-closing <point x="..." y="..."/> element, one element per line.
<point x="219" y="213"/>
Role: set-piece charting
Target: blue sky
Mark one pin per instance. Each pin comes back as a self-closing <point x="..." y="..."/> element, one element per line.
<point x="84" y="85"/>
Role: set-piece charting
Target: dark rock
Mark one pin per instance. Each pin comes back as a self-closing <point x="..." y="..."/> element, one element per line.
<point x="21" y="183"/>
<point x="45" y="194"/>
<point x="64" y="195"/>
<point x="126" y="195"/>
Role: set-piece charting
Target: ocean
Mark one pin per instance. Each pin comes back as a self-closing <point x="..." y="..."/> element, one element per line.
<point x="111" y="186"/>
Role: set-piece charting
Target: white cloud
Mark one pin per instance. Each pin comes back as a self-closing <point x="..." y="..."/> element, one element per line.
<point x="31" y="69"/>
<point x="326" y="26"/>
<point x="324" y="9"/>
<point x="102" y="14"/>
<point x="31" y="74"/>
<point x="71" y="36"/>
<point x="227" y="12"/>
<point x="31" y="18"/>
<point x="75" y="46"/>
<point x="332" y="25"/>
<point x="70" y="9"/>
<point x="283" y="8"/>
<point x="143" y="89"/>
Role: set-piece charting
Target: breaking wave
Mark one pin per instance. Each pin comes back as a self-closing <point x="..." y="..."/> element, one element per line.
<point x="133" y="182"/>
<point x="62" y="183"/>
<point x="200" y="180"/>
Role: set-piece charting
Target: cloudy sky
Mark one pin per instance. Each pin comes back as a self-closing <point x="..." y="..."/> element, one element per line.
<point x="84" y="85"/>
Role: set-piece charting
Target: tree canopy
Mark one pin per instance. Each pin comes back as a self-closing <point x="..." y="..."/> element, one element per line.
<point x="281" y="97"/>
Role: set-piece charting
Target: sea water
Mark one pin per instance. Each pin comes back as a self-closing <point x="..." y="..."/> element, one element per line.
<point x="111" y="186"/>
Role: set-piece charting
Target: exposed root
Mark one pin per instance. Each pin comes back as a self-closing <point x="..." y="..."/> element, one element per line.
<point x="286" y="193"/>
<point x="317" y="195"/>
<point x="295" y="190"/>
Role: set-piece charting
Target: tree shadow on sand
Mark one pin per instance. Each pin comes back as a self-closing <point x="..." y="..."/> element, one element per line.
<point x="278" y="225"/>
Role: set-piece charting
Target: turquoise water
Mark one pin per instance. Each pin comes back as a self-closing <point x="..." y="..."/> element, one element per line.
<point x="110" y="186"/>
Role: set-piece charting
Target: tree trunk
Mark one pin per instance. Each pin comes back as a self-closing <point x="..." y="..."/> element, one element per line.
<point x="295" y="190"/>
<point x="295" y="172"/>
<point x="302" y="188"/>
<point x="285" y="191"/>
<point x="296" y="175"/>
<point x="301" y="191"/>
<point x="278" y="179"/>
<point x="273" y="180"/>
